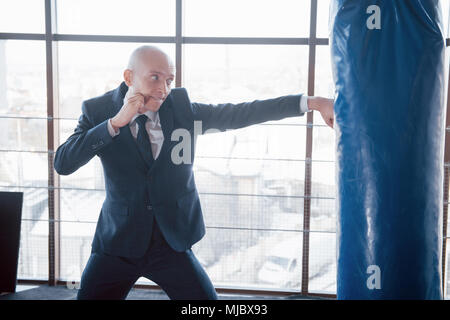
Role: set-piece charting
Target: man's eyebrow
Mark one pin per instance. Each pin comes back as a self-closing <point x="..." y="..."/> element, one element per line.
<point x="158" y="72"/>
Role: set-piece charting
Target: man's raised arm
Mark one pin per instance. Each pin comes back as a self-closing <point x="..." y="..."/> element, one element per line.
<point x="82" y="145"/>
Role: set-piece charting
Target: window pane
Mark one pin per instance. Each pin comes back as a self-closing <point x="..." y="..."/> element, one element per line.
<point x="271" y="142"/>
<point x="323" y="179"/>
<point x="323" y="191"/>
<point x="89" y="176"/>
<point x="66" y="128"/>
<point x="322" y="18"/>
<point x="238" y="73"/>
<point x="76" y="237"/>
<point x="255" y="212"/>
<point x="324" y="83"/>
<point x="81" y="205"/>
<point x="323" y="144"/>
<point x="33" y="253"/>
<point x="251" y="178"/>
<point x="75" y="250"/>
<point x="250" y="18"/>
<point x="23" y="134"/>
<point x="115" y="17"/>
<point x="251" y="258"/>
<point x="23" y="93"/>
<point x="87" y="70"/>
<point x="322" y="263"/>
<point x="23" y="78"/>
<point x="323" y="214"/>
<point x="24" y="169"/>
<point x="323" y="165"/>
<point x="22" y="16"/>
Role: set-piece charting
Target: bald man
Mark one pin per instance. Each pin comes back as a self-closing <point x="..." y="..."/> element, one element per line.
<point x="152" y="216"/>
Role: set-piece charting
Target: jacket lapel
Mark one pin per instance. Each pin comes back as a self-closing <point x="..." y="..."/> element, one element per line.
<point x="125" y="139"/>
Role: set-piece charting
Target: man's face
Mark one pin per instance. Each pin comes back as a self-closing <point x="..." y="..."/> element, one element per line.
<point x="153" y="77"/>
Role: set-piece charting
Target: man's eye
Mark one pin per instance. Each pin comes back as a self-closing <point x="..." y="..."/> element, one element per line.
<point x="169" y="82"/>
<point x="154" y="77"/>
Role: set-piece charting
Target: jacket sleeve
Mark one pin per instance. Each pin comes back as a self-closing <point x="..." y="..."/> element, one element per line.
<point x="233" y="116"/>
<point x="86" y="141"/>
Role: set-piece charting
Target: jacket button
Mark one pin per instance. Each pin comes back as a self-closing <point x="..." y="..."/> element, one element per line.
<point x="149" y="207"/>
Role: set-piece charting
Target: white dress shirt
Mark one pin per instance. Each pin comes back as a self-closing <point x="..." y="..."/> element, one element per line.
<point x="152" y="125"/>
<point x="154" y="130"/>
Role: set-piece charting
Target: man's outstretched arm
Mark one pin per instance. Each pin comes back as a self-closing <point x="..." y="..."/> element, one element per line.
<point x="234" y="116"/>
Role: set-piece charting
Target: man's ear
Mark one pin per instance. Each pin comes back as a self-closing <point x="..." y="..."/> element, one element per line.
<point x="128" y="77"/>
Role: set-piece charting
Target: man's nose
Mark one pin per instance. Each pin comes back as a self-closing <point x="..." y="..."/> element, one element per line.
<point x="164" y="89"/>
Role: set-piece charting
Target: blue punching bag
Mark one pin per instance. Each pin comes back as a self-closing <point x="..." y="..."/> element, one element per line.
<point x="388" y="61"/>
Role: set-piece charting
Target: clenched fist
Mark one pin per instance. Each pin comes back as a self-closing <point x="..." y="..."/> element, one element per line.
<point x="134" y="103"/>
<point x="325" y="106"/>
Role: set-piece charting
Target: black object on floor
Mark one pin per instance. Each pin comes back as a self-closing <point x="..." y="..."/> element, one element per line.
<point x="10" y="218"/>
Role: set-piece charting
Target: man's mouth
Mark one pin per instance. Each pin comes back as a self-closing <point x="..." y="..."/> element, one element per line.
<point x="155" y="99"/>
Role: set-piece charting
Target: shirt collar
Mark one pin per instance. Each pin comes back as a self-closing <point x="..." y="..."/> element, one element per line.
<point x="153" y="116"/>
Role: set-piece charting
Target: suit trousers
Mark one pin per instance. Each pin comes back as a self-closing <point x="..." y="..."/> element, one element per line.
<point x="179" y="274"/>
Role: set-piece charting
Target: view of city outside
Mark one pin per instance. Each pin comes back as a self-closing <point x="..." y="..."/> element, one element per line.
<point x="250" y="180"/>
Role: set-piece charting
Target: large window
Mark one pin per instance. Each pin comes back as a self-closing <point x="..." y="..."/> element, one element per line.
<point x="250" y="18"/>
<point x="116" y="17"/>
<point x="23" y="145"/>
<point x="269" y="205"/>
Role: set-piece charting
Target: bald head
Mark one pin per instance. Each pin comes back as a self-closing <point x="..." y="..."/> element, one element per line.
<point x="146" y="52"/>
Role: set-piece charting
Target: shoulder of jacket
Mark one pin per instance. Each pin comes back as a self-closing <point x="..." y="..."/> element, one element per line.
<point x="180" y="95"/>
<point x="181" y="105"/>
<point x="99" y="100"/>
<point x="97" y="109"/>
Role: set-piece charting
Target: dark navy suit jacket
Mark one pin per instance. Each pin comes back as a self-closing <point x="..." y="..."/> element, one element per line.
<point x="136" y="191"/>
